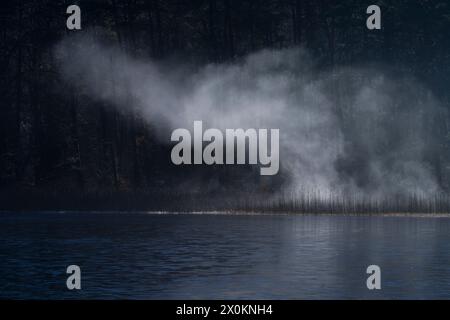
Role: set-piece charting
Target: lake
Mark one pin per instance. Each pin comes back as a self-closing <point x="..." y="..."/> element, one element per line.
<point x="212" y="256"/>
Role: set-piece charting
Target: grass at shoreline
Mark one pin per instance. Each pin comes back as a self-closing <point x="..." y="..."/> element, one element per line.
<point x="237" y="213"/>
<point x="147" y="202"/>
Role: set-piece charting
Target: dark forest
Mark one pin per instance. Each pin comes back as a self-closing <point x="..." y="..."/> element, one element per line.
<point x="61" y="149"/>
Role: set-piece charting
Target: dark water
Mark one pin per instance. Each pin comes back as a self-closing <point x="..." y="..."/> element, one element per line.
<point x="217" y="256"/>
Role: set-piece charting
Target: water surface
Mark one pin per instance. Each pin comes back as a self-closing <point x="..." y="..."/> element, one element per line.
<point x="166" y="256"/>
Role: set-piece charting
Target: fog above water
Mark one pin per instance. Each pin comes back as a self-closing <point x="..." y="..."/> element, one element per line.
<point x="348" y="130"/>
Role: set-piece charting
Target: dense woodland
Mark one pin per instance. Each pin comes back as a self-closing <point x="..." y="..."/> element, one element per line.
<point x="59" y="149"/>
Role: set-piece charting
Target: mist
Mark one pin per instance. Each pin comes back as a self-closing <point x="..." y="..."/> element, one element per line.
<point x="345" y="130"/>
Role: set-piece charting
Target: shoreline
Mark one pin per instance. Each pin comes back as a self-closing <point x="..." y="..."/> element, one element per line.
<point x="234" y="213"/>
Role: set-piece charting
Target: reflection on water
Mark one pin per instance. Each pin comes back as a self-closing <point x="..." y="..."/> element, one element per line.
<point x="124" y="255"/>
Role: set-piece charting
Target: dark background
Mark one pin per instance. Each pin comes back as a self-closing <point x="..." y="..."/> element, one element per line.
<point x="59" y="149"/>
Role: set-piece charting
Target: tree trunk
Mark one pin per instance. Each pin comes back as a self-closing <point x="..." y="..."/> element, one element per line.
<point x="19" y="92"/>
